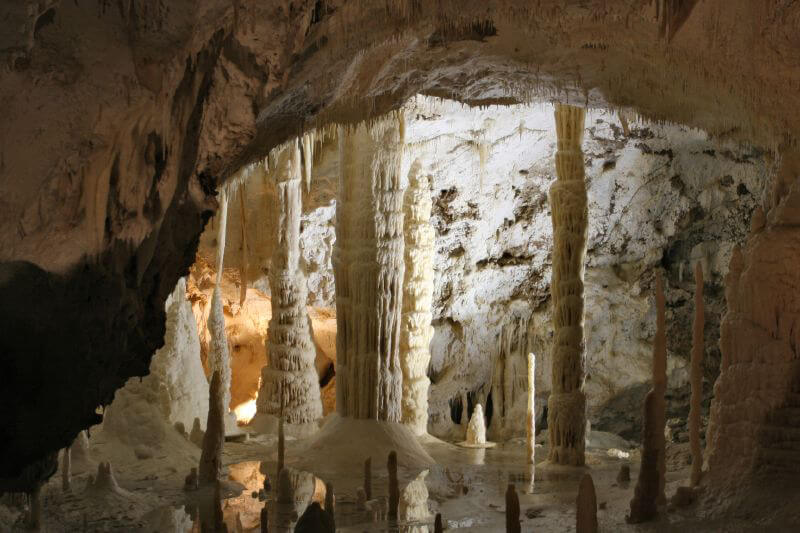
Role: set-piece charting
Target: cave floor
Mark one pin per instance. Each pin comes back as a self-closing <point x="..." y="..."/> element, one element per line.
<point x="467" y="486"/>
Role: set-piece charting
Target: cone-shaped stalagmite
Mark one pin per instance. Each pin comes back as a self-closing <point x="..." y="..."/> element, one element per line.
<point x="394" y="488"/>
<point x="438" y="527"/>
<point x="512" y="510"/>
<point x="291" y="350"/>
<point x="214" y="438"/>
<point x="650" y="484"/>
<point x="368" y="267"/>
<point x="566" y="419"/>
<point x="416" y="329"/>
<point x="586" y="506"/>
<point x="697" y="377"/>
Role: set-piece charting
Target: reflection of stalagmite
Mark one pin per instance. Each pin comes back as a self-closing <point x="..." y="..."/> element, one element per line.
<point x="476" y="430"/>
<point x="214" y="438"/>
<point x="566" y="420"/>
<point x="697" y="377"/>
<point x="290" y="348"/>
<point x="416" y="330"/>
<point x="369" y="269"/>
<point x="530" y="425"/>
<point x="586" y="513"/>
<point x="512" y="510"/>
<point x="394" y="488"/>
<point x="649" y="485"/>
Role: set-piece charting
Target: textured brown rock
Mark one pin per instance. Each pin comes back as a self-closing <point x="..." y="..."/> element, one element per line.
<point x="394" y="487"/>
<point x="586" y="506"/>
<point x="697" y="378"/>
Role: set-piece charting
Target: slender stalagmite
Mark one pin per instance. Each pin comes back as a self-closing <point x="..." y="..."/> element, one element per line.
<point x="566" y="419"/>
<point x="368" y="269"/>
<point x="416" y="330"/>
<point x="291" y="350"/>
<point x="512" y="510"/>
<point x="214" y="438"/>
<point x="438" y="527"/>
<point x="394" y="488"/>
<point x="66" y="469"/>
<point x="649" y="485"/>
<point x="586" y="506"/>
<point x="697" y="377"/>
<point x="330" y="502"/>
<point x="530" y="426"/>
<point x="368" y="478"/>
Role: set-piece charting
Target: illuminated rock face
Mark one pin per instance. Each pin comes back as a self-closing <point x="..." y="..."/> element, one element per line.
<point x="416" y="330"/>
<point x="289" y="347"/>
<point x="368" y="266"/>
<point x="566" y="420"/>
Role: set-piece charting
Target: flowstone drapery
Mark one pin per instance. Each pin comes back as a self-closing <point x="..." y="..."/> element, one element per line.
<point x="566" y="420"/>
<point x="416" y="330"/>
<point x="368" y="268"/>
<point x="291" y="351"/>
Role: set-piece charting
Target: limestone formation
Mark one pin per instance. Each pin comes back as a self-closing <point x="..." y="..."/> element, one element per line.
<point x="66" y="469"/>
<point x="437" y="524"/>
<point x="697" y="377"/>
<point x="191" y="481"/>
<point x="330" y="502"/>
<point x="34" y="518"/>
<point x="290" y="349"/>
<point x="566" y="418"/>
<point x="361" y="499"/>
<point x="509" y="379"/>
<point x="264" y="519"/>
<point x="315" y="520"/>
<point x="369" y="269"/>
<point x="197" y="433"/>
<point x="104" y="481"/>
<point x="476" y="430"/>
<point x="394" y="488"/>
<point x="649" y="485"/>
<point x="512" y="510"/>
<point x="416" y="330"/>
<point x="413" y="505"/>
<point x="586" y="505"/>
<point x="530" y="422"/>
<point x="368" y="478"/>
<point x="214" y="439"/>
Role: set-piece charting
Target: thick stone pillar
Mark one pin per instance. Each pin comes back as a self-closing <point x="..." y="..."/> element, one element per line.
<point x="290" y="349"/>
<point x="566" y="419"/>
<point x="416" y="330"/>
<point x="368" y="268"/>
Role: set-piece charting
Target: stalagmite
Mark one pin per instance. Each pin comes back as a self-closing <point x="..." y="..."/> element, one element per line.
<point x="104" y="481"/>
<point x="285" y="512"/>
<point x="413" y="505"/>
<point x="437" y="524"/>
<point x="214" y="438"/>
<point x="416" y="331"/>
<point x="512" y="510"/>
<point x="34" y="519"/>
<point x="66" y="469"/>
<point x="368" y="478"/>
<point x="315" y="520"/>
<point x="330" y="502"/>
<point x="566" y="420"/>
<point x="394" y="488"/>
<point x="586" y="506"/>
<point x="291" y="351"/>
<point x="530" y="425"/>
<point x="476" y="430"/>
<point x="649" y="485"/>
<point x="264" y="519"/>
<point x="697" y="377"/>
<point x="368" y="270"/>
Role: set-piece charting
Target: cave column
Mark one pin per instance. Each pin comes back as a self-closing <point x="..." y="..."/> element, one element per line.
<point x="369" y="268"/>
<point x="566" y="420"/>
<point x="416" y="330"/>
<point x="291" y="351"/>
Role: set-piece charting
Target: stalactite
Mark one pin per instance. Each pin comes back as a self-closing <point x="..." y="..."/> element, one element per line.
<point x="530" y="426"/>
<point x="308" y="157"/>
<point x="649" y="485"/>
<point x="566" y="420"/>
<point x="586" y="506"/>
<point x="416" y="330"/>
<point x="697" y="377"/>
<point x="291" y="350"/>
<point x="214" y="438"/>
<point x="243" y="266"/>
<point x="222" y="229"/>
<point x="368" y="270"/>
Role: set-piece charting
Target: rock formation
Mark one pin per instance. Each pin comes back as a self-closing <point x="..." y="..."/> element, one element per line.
<point x="415" y="329"/>
<point x="290" y="349"/>
<point x="413" y="505"/>
<point x="509" y="379"/>
<point x="66" y="469"/>
<point x="650" y="484"/>
<point x="368" y="478"/>
<point x="624" y="475"/>
<point x="512" y="510"/>
<point x="104" y="482"/>
<point x="566" y="417"/>
<point x="394" y="487"/>
<point x="315" y="520"/>
<point x="476" y="430"/>
<point x="697" y="377"/>
<point x="530" y="422"/>
<point x="586" y="506"/>
<point x="368" y="267"/>
<point x="330" y="502"/>
<point x="214" y="439"/>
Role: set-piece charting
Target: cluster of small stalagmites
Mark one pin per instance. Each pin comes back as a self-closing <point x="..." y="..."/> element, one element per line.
<point x="214" y="438"/>
<point x="416" y="328"/>
<point x="369" y="269"/>
<point x="291" y="352"/>
<point x="566" y="419"/>
<point x="586" y="506"/>
<point x="104" y="481"/>
<point x="649" y="492"/>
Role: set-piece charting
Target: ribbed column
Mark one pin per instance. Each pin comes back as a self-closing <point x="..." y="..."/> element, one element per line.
<point x="416" y="330"/>
<point x="291" y="352"/>
<point x="368" y="268"/>
<point x="566" y="420"/>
